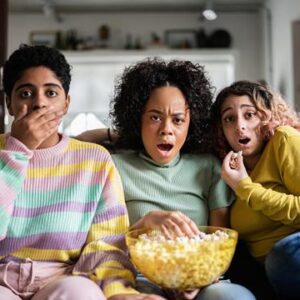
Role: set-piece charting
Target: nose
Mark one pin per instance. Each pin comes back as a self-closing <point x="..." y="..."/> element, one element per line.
<point x="166" y="128"/>
<point x="39" y="101"/>
<point x="240" y="125"/>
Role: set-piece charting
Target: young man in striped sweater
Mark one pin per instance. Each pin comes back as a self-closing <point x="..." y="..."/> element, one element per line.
<point x="62" y="209"/>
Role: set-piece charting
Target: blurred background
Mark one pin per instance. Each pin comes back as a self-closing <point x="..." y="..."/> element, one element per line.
<point x="233" y="39"/>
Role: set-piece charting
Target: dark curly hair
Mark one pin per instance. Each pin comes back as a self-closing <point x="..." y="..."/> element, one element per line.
<point x="271" y="107"/>
<point x="133" y="91"/>
<point x="34" y="56"/>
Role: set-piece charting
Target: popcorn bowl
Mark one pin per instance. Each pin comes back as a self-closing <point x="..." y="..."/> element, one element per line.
<point x="182" y="263"/>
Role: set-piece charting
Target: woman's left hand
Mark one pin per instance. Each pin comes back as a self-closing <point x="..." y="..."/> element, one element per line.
<point x="233" y="171"/>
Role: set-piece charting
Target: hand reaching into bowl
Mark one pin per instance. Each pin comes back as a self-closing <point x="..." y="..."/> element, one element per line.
<point x="170" y="223"/>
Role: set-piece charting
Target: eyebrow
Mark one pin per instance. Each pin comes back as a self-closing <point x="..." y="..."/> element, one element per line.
<point x="242" y="106"/>
<point x="161" y="113"/>
<point x="32" y="85"/>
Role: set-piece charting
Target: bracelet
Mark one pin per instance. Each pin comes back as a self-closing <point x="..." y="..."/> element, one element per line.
<point x="109" y="135"/>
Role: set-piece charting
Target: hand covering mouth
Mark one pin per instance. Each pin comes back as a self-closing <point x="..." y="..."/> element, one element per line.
<point x="164" y="147"/>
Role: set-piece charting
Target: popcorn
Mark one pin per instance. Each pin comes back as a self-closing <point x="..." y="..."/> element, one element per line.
<point x="234" y="159"/>
<point x="183" y="263"/>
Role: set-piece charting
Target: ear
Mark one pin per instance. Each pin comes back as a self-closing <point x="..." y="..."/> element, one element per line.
<point x="8" y="105"/>
<point x="67" y="103"/>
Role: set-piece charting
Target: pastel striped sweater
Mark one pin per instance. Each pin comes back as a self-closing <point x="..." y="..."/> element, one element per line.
<point x="65" y="204"/>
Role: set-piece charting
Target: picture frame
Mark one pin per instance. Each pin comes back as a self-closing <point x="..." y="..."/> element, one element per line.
<point x="181" y="38"/>
<point x="43" y="37"/>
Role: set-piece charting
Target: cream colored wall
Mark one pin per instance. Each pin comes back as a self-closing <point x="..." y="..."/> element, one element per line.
<point x="245" y="28"/>
<point x="283" y="14"/>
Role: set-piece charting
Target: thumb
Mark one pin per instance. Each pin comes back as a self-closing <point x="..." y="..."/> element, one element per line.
<point x="21" y="113"/>
<point x="240" y="158"/>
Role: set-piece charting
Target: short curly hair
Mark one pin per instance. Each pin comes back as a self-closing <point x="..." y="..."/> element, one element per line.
<point x="272" y="109"/>
<point x="133" y="91"/>
<point x="34" y="56"/>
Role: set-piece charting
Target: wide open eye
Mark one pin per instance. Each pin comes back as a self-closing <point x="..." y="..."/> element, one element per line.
<point x="26" y="93"/>
<point x="52" y="93"/>
<point x="250" y="115"/>
<point x="228" y="119"/>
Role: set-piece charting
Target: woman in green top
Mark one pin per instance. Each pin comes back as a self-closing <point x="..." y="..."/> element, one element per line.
<point x="257" y="123"/>
<point x="161" y="112"/>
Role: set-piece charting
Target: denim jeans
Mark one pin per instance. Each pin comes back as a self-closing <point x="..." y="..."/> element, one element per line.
<point x="283" y="267"/>
<point x="222" y="290"/>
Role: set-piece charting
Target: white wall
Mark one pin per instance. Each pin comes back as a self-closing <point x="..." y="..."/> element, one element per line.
<point x="245" y="29"/>
<point x="283" y="14"/>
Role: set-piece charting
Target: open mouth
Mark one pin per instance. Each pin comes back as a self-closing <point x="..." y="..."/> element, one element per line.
<point x="244" y="141"/>
<point x="165" y="147"/>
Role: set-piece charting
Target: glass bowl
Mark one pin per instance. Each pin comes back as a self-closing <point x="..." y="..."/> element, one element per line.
<point x="182" y="263"/>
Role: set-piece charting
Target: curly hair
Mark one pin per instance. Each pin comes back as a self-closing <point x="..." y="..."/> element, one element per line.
<point x="271" y="107"/>
<point x="137" y="83"/>
<point x="34" y="56"/>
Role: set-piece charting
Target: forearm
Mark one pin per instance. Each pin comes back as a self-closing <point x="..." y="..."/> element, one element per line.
<point x="98" y="136"/>
<point x="104" y="258"/>
<point x="275" y="205"/>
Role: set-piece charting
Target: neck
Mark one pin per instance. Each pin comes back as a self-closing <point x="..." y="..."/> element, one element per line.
<point x="50" y="141"/>
<point x="251" y="161"/>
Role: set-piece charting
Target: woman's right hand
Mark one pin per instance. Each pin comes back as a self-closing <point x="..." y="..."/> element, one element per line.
<point x="233" y="174"/>
<point x="171" y="223"/>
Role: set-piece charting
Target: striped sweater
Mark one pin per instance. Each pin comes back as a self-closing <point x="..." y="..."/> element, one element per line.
<point x="65" y="204"/>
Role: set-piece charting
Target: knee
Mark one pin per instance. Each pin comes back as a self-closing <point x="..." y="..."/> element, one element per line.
<point x="284" y="257"/>
<point x="75" y="287"/>
<point x="283" y="267"/>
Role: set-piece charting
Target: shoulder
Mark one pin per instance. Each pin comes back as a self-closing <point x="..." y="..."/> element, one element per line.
<point x="129" y="157"/>
<point x="287" y="131"/>
<point x="284" y="133"/>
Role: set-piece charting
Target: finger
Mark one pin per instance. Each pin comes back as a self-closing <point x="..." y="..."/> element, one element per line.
<point x="178" y="228"/>
<point x="226" y="165"/>
<point x="45" y="125"/>
<point x="182" y="224"/>
<point x="190" y="223"/>
<point x="240" y="158"/>
<point x="35" y="114"/>
<point x="228" y="158"/>
<point x="167" y="232"/>
<point x="48" y="117"/>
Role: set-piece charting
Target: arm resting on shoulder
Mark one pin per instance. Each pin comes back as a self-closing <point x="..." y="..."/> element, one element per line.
<point x="98" y="136"/>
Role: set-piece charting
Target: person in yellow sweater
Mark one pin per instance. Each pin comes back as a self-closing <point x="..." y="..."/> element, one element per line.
<point x="258" y="137"/>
